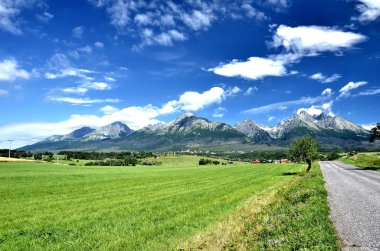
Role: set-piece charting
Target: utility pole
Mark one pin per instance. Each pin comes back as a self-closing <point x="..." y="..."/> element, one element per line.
<point x="10" y="147"/>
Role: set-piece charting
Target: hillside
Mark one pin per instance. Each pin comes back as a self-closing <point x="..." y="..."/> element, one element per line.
<point x="192" y="132"/>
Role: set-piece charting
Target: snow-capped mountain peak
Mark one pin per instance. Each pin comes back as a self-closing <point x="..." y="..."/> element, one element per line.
<point x="112" y="131"/>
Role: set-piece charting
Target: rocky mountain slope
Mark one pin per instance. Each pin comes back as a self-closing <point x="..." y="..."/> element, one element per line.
<point x="258" y="133"/>
<point x="112" y="131"/>
<point x="187" y="131"/>
<point x="81" y="138"/>
<point x="326" y="128"/>
<point x="192" y="132"/>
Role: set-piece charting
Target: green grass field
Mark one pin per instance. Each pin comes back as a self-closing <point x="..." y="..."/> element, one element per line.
<point x="176" y="205"/>
<point x="370" y="161"/>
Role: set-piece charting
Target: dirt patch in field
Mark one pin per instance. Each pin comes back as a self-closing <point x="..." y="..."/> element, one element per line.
<point x="4" y="159"/>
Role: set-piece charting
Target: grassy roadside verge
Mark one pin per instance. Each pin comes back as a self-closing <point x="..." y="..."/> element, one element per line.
<point x="296" y="217"/>
<point x="363" y="160"/>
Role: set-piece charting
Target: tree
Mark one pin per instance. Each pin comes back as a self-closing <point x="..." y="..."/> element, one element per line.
<point x="375" y="133"/>
<point x="333" y="156"/>
<point x="304" y="149"/>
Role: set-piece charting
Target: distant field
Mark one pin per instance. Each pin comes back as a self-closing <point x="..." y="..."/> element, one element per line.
<point x="178" y="204"/>
<point x="364" y="160"/>
<point x="5" y="159"/>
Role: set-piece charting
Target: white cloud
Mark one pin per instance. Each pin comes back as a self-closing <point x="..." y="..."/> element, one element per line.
<point x="271" y="118"/>
<point x="10" y="12"/>
<point x="108" y="109"/>
<point x="299" y="42"/>
<point x="198" y="20"/>
<point x="86" y="49"/>
<point x="98" y="86"/>
<point x="250" y="90"/>
<point x="311" y="40"/>
<point x="219" y="112"/>
<point x="185" y="16"/>
<point x="3" y="93"/>
<point x="167" y="20"/>
<point x="143" y="19"/>
<point x="10" y="71"/>
<point x="59" y="66"/>
<point x="327" y="92"/>
<point x="99" y="44"/>
<point x="345" y="91"/>
<point x="319" y="109"/>
<point x="325" y="79"/>
<point x="279" y="3"/>
<point x="369" y="10"/>
<point x="232" y="91"/>
<point x="284" y="105"/>
<point x="312" y="110"/>
<point x="327" y="106"/>
<point x="252" y="12"/>
<point x="149" y="38"/>
<point x="369" y="126"/>
<point x="75" y="90"/>
<point x="369" y="92"/>
<point x="44" y="17"/>
<point x="254" y="68"/>
<point x="85" y="87"/>
<point x="135" y="117"/>
<point x="82" y="101"/>
<point x="110" y="79"/>
<point x="78" y="31"/>
<point x="69" y="72"/>
<point x="194" y="101"/>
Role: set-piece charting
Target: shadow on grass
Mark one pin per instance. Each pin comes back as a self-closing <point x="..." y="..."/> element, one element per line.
<point x="373" y="168"/>
<point x="290" y="173"/>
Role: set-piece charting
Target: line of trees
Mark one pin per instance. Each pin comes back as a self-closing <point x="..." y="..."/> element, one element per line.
<point x="15" y="153"/>
<point x="129" y="161"/>
<point x="105" y="155"/>
<point x="204" y="161"/>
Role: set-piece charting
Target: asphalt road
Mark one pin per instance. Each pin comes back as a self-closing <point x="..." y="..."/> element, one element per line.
<point x="354" y="199"/>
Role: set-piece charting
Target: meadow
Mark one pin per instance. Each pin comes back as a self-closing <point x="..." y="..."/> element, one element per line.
<point x="177" y="205"/>
<point x="369" y="161"/>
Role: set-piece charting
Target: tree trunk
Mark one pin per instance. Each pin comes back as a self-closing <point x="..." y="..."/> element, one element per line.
<point x="308" y="165"/>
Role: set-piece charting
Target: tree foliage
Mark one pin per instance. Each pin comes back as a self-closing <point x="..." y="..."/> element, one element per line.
<point x="333" y="156"/>
<point x="375" y="133"/>
<point x="304" y="149"/>
<point x="204" y="161"/>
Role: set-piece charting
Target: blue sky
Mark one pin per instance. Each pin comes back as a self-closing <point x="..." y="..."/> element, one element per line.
<point x="67" y="64"/>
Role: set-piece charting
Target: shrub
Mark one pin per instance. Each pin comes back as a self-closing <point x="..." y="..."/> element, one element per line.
<point x="333" y="156"/>
<point x="203" y="161"/>
<point x="150" y="163"/>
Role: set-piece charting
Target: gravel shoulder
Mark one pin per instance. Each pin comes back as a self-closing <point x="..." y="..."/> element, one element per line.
<point x="354" y="199"/>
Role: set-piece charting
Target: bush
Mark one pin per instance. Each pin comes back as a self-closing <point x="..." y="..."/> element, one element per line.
<point x="208" y="162"/>
<point x="203" y="162"/>
<point x="351" y="153"/>
<point x="130" y="161"/>
<point x="150" y="163"/>
<point x="333" y="156"/>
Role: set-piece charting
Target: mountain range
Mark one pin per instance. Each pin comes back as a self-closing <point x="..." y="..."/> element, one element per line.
<point x="192" y="132"/>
